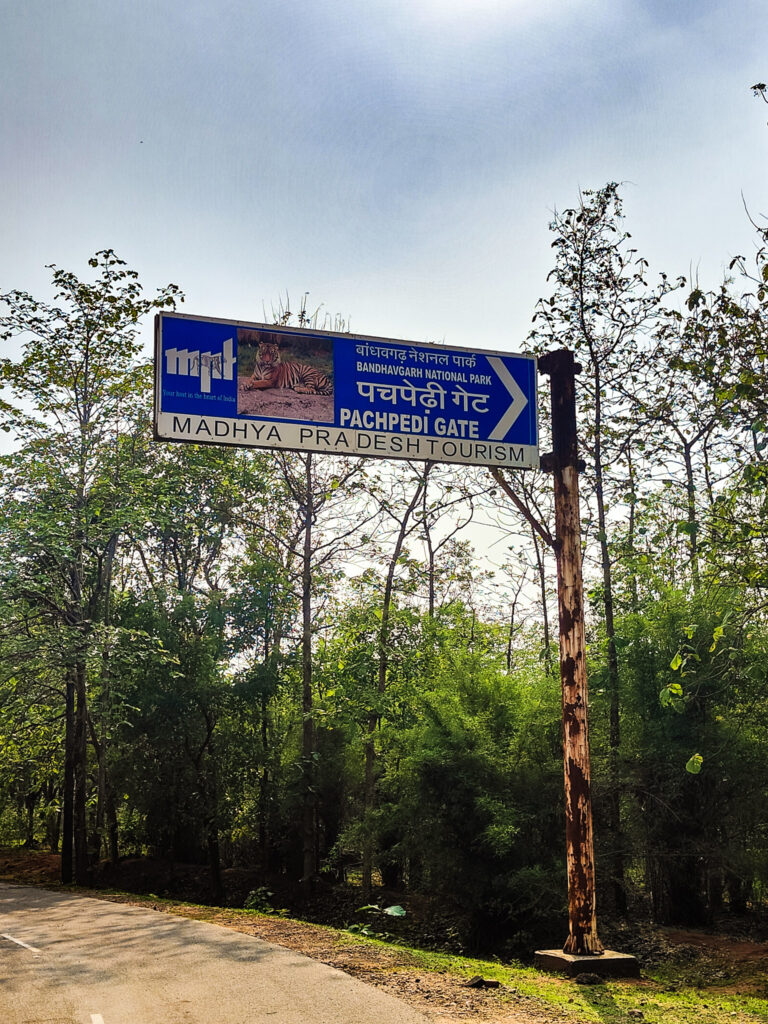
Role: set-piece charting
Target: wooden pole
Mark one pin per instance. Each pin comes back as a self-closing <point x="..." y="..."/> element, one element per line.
<point x="564" y="465"/>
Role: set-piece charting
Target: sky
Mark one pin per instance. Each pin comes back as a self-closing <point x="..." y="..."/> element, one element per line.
<point x="397" y="159"/>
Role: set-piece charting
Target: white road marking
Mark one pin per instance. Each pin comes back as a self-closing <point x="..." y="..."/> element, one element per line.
<point x="96" y="1018"/>
<point x="20" y="943"/>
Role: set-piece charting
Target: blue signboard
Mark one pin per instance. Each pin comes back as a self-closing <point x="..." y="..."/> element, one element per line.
<point x="229" y="382"/>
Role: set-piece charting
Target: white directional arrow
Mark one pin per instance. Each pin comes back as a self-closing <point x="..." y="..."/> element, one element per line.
<point x="518" y="403"/>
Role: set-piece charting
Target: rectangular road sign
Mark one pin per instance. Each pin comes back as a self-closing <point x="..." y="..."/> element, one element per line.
<point x="255" y="385"/>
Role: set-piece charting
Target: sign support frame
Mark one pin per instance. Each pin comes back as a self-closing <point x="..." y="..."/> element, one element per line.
<point x="359" y="421"/>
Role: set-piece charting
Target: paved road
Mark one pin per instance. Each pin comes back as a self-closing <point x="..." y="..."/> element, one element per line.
<point x="73" y="960"/>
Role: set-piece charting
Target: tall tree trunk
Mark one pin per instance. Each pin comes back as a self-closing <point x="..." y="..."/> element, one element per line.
<point x="30" y="803"/>
<point x="98" y="831"/>
<point x="212" y="833"/>
<point x="381" y="684"/>
<point x="52" y="816"/>
<point x="67" y="822"/>
<point x="614" y="733"/>
<point x="430" y="555"/>
<point x="208" y="787"/>
<point x="631" y="524"/>
<point x="214" y="861"/>
<point x="511" y="636"/>
<point x="264" y="786"/>
<point x="106" y="830"/>
<point x="369" y="799"/>
<point x="113" y="846"/>
<point x="540" y="570"/>
<point x="80" y="824"/>
<point x="309" y="820"/>
<point x="693" y="523"/>
<point x="271" y="653"/>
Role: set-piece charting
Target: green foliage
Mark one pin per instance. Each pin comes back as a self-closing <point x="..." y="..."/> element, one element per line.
<point x="172" y="578"/>
<point x="694" y="764"/>
<point x="373" y="910"/>
<point x="261" y="900"/>
<point x="691" y="807"/>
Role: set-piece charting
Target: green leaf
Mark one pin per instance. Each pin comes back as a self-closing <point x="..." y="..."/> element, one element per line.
<point x="676" y="662"/>
<point x="694" y="763"/>
<point x="672" y="697"/>
<point x="395" y="911"/>
<point x="716" y="636"/>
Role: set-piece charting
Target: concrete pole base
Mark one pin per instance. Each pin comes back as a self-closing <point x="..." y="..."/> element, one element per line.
<point x="609" y="964"/>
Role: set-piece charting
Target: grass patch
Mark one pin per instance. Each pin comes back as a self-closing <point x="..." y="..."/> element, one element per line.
<point x="653" y="996"/>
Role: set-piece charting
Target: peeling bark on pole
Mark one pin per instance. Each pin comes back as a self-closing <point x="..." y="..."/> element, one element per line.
<point x="564" y="464"/>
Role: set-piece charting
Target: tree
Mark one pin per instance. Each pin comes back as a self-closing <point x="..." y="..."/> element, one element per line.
<point x="187" y="551"/>
<point x="532" y="497"/>
<point x="262" y="607"/>
<point x="601" y="307"/>
<point x="402" y="514"/>
<point x="325" y="501"/>
<point x="688" y="413"/>
<point x="79" y="419"/>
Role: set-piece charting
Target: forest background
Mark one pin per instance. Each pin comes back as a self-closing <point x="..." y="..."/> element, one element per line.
<point x="296" y="671"/>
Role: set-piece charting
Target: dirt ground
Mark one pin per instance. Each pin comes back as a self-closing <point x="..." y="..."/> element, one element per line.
<point x="284" y="404"/>
<point x="737" y="951"/>
<point x="32" y="867"/>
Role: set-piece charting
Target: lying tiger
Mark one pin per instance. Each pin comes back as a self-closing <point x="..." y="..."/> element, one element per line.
<point x="270" y="372"/>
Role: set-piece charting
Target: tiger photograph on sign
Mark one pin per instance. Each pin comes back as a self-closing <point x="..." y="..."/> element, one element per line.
<point x="281" y="376"/>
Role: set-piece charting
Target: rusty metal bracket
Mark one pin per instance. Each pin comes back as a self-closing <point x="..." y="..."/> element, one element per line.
<point x="548" y="463"/>
<point x="551" y="361"/>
